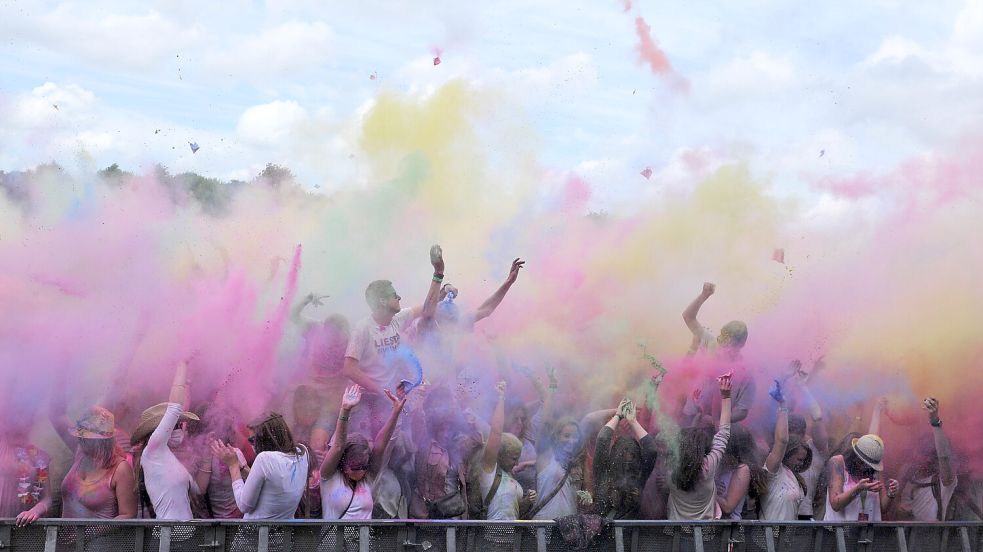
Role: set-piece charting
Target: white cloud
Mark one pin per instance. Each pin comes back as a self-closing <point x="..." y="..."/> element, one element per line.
<point x="754" y="76"/>
<point x="281" y="51"/>
<point x="130" y="41"/>
<point x="270" y="123"/>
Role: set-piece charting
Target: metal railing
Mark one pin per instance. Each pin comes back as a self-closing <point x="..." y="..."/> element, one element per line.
<point x="75" y="535"/>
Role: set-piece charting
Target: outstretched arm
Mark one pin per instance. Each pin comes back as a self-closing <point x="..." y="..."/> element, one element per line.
<point x="386" y="433"/>
<point x="297" y="313"/>
<point x="489" y="457"/>
<point x="942" y="448"/>
<point x="777" y="454"/>
<point x="490" y="304"/>
<point x="349" y="401"/>
<point x="429" y="307"/>
<point x="875" y="418"/>
<point x="689" y="315"/>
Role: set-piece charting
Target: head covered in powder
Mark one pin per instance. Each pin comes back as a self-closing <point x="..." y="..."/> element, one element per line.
<point x="271" y="433"/>
<point x="733" y="335"/>
<point x="508" y="455"/>
<point x="355" y="457"/>
<point x="381" y="297"/>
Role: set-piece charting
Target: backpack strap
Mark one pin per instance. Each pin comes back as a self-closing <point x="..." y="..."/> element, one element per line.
<point x="546" y="499"/>
<point x="494" y="487"/>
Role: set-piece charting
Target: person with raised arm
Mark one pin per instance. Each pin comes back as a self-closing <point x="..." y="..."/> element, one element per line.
<point x="702" y="405"/>
<point x="856" y="491"/>
<point x="622" y="464"/>
<point x="162" y="429"/>
<point x="351" y="465"/>
<point x="812" y="431"/>
<point x="501" y="495"/>
<point x="785" y="461"/>
<point x="929" y="482"/>
<point x="692" y="477"/>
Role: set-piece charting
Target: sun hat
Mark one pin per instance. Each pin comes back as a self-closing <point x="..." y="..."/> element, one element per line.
<point x="870" y="449"/>
<point x="150" y="419"/>
<point x="96" y="423"/>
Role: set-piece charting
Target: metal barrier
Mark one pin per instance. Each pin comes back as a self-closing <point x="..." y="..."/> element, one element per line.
<point x="76" y="535"/>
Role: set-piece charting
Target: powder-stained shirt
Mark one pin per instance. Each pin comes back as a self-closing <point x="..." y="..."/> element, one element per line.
<point x="274" y="487"/>
<point x="708" y="402"/>
<point x="167" y="480"/>
<point x="340" y="501"/>
<point x="371" y="343"/>
<point x="811" y="478"/>
<point x="781" y="502"/>
<point x="918" y="498"/>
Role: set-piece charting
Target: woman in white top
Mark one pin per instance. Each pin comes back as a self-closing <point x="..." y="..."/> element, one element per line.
<point x="278" y="477"/>
<point x="351" y="464"/>
<point x="740" y="478"/>
<point x="785" y="461"/>
<point x="162" y="430"/>
<point x="856" y="491"/>
<point x="692" y="487"/>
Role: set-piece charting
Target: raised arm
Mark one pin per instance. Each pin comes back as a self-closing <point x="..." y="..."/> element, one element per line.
<point x="838" y="498"/>
<point x="875" y="417"/>
<point x="777" y="453"/>
<point x="297" y="313"/>
<point x="815" y="425"/>
<point x="691" y="312"/>
<point x="429" y="307"/>
<point x="58" y="416"/>
<point x="349" y="401"/>
<point x="385" y="434"/>
<point x="490" y="304"/>
<point x="489" y="457"/>
<point x="942" y="447"/>
<point x="177" y="403"/>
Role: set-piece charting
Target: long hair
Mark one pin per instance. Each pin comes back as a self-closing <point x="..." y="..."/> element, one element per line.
<point x="104" y="453"/>
<point x="822" y="486"/>
<point x="694" y="445"/>
<point x="741" y="449"/>
<point x="273" y="435"/>
<point x="620" y="488"/>
<point x="794" y="445"/>
<point x="856" y="467"/>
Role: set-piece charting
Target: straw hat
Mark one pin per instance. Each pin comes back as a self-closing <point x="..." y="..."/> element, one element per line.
<point x="150" y="419"/>
<point x="96" y="423"/>
<point x="870" y="449"/>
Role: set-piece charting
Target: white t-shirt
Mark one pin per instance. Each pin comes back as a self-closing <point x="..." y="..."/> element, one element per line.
<point x="564" y="503"/>
<point x="370" y="343"/>
<point x="336" y="495"/>
<point x="870" y="503"/>
<point x="505" y="504"/>
<point x="167" y="480"/>
<point x="781" y="503"/>
<point x="275" y="485"/>
<point x="917" y="498"/>
<point x="811" y="478"/>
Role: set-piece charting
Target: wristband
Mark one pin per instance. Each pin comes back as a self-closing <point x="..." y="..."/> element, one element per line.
<point x="937" y="423"/>
<point x="725" y="394"/>
<point x="438" y="277"/>
<point x="344" y="417"/>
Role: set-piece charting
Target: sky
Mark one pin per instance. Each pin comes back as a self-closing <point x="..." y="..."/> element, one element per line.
<point x="798" y="91"/>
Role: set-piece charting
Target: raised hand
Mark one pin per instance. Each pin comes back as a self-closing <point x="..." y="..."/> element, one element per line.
<point x="351" y="398"/>
<point x="551" y="376"/>
<point x="630" y="411"/>
<point x="932" y="405"/>
<point x="517" y="264"/>
<point x="398" y="400"/>
<point x="437" y="259"/>
<point x="725" y="385"/>
<point x="225" y="453"/>
<point x="500" y="389"/>
<point x="709" y="288"/>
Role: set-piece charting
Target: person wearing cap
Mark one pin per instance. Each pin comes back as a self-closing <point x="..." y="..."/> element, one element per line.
<point x="162" y="428"/>
<point x="100" y="482"/>
<point x="856" y="491"/>
<point x="703" y="405"/>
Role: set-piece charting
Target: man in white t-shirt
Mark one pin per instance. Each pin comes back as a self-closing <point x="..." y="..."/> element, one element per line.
<point x="375" y="341"/>
<point x="703" y="405"/>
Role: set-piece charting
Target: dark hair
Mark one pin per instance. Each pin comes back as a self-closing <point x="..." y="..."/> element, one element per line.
<point x="619" y="489"/>
<point x="273" y="435"/>
<point x="742" y="450"/>
<point x="694" y="444"/>
<point x="796" y="424"/>
<point x="857" y="467"/>
<point x="377" y="290"/>
<point x="105" y="453"/>
<point x="794" y="445"/>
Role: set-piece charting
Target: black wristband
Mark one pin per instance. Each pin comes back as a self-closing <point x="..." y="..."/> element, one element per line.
<point x="937" y="423"/>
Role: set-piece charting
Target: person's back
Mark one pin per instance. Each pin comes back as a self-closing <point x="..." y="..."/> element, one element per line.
<point x="696" y="503"/>
<point x="282" y="481"/>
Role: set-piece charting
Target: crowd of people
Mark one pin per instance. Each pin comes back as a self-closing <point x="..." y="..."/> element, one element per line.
<point x="386" y="430"/>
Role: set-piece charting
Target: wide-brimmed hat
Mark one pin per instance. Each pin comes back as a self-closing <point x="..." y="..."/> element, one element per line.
<point x="870" y="449"/>
<point x="96" y="423"/>
<point x="150" y="419"/>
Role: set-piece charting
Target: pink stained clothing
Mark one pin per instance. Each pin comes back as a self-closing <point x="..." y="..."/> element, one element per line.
<point x="370" y="344"/>
<point x="89" y="499"/>
<point x="23" y="477"/>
